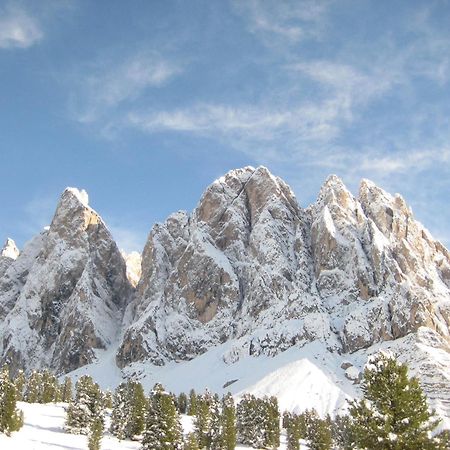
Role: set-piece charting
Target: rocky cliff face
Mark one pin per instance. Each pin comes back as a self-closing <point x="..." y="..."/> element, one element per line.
<point x="248" y="266"/>
<point x="64" y="295"/>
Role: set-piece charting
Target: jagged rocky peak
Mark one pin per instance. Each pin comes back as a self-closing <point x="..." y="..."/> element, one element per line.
<point x="66" y="291"/>
<point x="8" y="255"/>
<point x="10" y="249"/>
<point x="390" y="213"/>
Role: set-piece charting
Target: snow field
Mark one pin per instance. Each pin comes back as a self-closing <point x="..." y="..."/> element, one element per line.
<point x="44" y="429"/>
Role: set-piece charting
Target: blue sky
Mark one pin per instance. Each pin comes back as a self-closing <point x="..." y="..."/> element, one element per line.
<point x="144" y="103"/>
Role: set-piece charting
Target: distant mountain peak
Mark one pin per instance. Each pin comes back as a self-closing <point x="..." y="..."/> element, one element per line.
<point x="10" y="249"/>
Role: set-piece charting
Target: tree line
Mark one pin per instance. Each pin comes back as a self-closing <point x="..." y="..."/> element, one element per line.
<point x="392" y="414"/>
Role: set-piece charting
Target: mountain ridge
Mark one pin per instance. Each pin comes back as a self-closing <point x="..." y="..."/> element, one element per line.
<point x="249" y="271"/>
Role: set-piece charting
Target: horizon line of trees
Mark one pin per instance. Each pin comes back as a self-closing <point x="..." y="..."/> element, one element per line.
<point x="393" y="414"/>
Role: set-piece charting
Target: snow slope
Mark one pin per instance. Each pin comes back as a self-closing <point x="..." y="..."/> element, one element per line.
<point x="301" y="378"/>
<point x="43" y="430"/>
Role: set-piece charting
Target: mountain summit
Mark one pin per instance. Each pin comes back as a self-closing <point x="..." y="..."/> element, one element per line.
<point x="248" y="267"/>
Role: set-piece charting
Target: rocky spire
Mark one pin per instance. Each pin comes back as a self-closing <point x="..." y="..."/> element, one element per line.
<point x="10" y="249"/>
<point x="74" y="280"/>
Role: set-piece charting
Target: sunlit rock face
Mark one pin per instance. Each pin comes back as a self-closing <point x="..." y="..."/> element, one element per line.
<point x="250" y="264"/>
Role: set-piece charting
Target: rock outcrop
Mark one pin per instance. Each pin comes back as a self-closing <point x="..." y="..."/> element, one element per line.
<point x="250" y="264"/>
<point x="64" y="296"/>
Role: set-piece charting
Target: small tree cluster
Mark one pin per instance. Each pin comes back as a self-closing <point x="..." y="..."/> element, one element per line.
<point x="11" y="418"/>
<point x="215" y="422"/>
<point x="41" y="387"/>
<point x="85" y="408"/>
<point x="128" y="410"/>
<point x="258" y="422"/>
<point x="295" y="426"/>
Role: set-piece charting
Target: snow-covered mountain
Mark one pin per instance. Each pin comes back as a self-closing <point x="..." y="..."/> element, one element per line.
<point x="248" y="277"/>
<point x="65" y="294"/>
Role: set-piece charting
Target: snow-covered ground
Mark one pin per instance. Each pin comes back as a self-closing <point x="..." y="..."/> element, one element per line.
<point x="301" y="378"/>
<point x="44" y="429"/>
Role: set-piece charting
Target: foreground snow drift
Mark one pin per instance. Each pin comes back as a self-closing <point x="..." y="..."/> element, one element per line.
<point x="44" y="429"/>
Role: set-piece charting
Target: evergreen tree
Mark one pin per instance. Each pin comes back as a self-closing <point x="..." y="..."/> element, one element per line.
<point x="11" y="419"/>
<point x="136" y="407"/>
<point x="215" y="436"/>
<point x="162" y="423"/>
<point x="293" y="425"/>
<point x="318" y="432"/>
<point x="182" y="403"/>
<point x="95" y="433"/>
<point x="49" y="390"/>
<point x="271" y="423"/>
<point x="190" y="442"/>
<point x="119" y="412"/>
<point x="393" y="413"/>
<point x="33" y="389"/>
<point x="19" y="384"/>
<point x="107" y="399"/>
<point x="247" y="421"/>
<point x="192" y="409"/>
<point x="202" y="420"/>
<point x="228" y="422"/>
<point x="341" y="433"/>
<point x="66" y="390"/>
<point x="86" y="407"/>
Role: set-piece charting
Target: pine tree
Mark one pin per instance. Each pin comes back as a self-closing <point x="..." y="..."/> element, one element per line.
<point x="182" y="403"/>
<point x="86" y="407"/>
<point x="292" y="423"/>
<point x="119" y="413"/>
<point x="192" y="409"/>
<point x="162" y="423"/>
<point x="318" y="432"/>
<point x="341" y="433"/>
<point x="137" y="407"/>
<point x="107" y="399"/>
<point x="393" y="413"/>
<point x="228" y="422"/>
<point x="66" y="390"/>
<point x="19" y="384"/>
<point x="95" y="433"/>
<point x="190" y="442"/>
<point x="33" y="389"/>
<point x="215" y="436"/>
<point x="247" y="421"/>
<point x="202" y="420"/>
<point x="49" y="391"/>
<point x="11" y="419"/>
<point x="271" y="423"/>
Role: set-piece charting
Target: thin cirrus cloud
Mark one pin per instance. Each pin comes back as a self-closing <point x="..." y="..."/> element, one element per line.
<point x="243" y="123"/>
<point x="291" y="21"/>
<point x="109" y="85"/>
<point x="18" y="29"/>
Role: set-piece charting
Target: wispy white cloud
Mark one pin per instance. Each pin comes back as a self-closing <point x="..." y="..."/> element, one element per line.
<point x="289" y="20"/>
<point x="18" y="29"/>
<point x="411" y="162"/>
<point x="108" y="85"/>
<point x="245" y="123"/>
